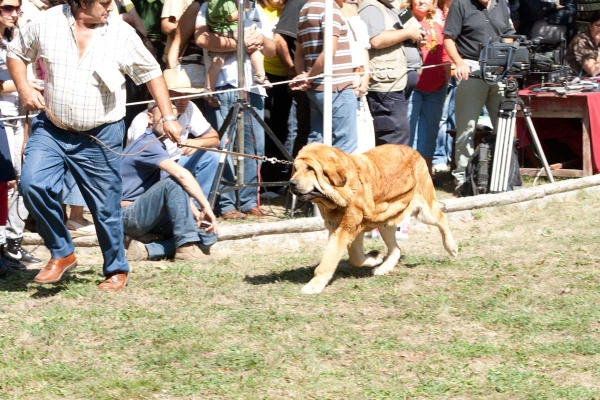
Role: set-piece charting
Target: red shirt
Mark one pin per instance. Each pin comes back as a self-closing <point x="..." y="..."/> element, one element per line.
<point x="432" y="79"/>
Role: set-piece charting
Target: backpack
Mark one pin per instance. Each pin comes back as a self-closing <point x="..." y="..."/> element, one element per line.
<point x="479" y="169"/>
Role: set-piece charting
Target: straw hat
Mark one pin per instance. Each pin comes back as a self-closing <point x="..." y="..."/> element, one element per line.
<point x="179" y="81"/>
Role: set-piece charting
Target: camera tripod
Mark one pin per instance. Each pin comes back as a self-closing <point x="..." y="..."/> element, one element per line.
<point x="505" y="137"/>
<point x="241" y="108"/>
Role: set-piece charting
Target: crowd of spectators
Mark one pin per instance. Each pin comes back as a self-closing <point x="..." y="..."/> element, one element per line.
<point x="413" y="77"/>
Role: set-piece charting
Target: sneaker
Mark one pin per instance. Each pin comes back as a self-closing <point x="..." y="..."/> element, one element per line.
<point x="13" y="264"/>
<point x="191" y="252"/>
<point x="4" y="270"/>
<point x="136" y="251"/>
<point x="441" y="167"/>
<point x="14" y="250"/>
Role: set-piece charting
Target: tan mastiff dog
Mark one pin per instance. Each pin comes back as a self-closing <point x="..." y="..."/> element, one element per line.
<point x="357" y="193"/>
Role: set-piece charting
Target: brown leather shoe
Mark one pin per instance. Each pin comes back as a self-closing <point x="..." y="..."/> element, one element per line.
<point x="56" y="268"/>
<point x="115" y="281"/>
<point x="233" y="214"/>
<point x="255" y="211"/>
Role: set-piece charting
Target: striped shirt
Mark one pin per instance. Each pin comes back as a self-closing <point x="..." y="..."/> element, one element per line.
<point x="74" y="90"/>
<point x="311" y="27"/>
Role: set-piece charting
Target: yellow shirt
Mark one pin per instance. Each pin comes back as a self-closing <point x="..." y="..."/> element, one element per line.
<point x="273" y="65"/>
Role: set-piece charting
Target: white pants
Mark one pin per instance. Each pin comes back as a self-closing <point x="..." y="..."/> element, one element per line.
<point x="17" y="213"/>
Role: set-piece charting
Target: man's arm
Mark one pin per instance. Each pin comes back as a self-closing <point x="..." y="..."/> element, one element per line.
<point x="390" y="38"/>
<point x="183" y="33"/>
<point x="462" y="70"/>
<point x="591" y="66"/>
<point x="30" y="98"/>
<point x="190" y="185"/>
<point x="160" y="94"/>
<point x="208" y="139"/>
<point x="283" y="52"/>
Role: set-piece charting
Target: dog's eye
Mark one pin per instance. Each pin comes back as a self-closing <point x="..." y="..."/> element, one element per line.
<point x="309" y="168"/>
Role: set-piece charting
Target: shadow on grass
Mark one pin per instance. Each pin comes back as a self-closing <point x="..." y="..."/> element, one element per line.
<point x="22" y="281"/>
<point x="305" y="274"/>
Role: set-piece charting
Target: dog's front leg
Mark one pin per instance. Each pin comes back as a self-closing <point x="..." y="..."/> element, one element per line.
<point x="357" y="256"/>
<point x="336" y="245"/>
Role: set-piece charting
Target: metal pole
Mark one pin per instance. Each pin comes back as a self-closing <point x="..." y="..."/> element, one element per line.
<point x="241" y="61"/>
<point x="327" y="71"/>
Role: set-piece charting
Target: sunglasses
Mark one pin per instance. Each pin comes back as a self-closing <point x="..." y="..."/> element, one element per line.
<point x="11" y="9"/>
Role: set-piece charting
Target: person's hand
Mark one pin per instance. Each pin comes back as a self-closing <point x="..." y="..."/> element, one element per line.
<point x="416" y="35"/>
<point x="361" y="85"/>
<point x="300" y="82"/>
<point x="173" y="130"/>
<point x="462" y="71"/>
<point x="188" y="151"/>
<point x="254" y="42"/>
<point x="37" y="84"/>
<point x="209" y="217"/>
<point x="12" y="184"/>
<point x="32" y="99"/>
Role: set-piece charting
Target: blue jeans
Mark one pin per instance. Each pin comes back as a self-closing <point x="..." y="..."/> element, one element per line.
<point x="203" y="165"/>
<point x="424" y="113"/>
<point x="163" y="209"/>
<point x="443" y="143"/>
<point x="71" y="194"/>
<point x="254" y="143"/>
<point x="343" y="119"/>
<point x="49" y="153"/>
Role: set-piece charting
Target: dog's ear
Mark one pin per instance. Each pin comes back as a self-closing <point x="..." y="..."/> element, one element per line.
<point x="335" y="171"/>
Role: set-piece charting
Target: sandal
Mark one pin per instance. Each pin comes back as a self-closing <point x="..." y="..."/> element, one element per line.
<point x="262" y="80"/>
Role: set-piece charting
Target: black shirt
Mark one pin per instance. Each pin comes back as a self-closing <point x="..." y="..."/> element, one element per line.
<point x="471" y="23"/>
<point x="288" y="20"/>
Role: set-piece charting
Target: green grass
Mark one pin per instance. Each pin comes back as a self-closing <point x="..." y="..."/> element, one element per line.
<point x="515" y="316"/>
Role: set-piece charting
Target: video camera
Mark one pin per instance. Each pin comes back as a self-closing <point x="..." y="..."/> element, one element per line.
<point x="497" y="60"/>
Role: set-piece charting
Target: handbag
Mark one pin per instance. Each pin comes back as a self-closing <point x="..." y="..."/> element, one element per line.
<point x="550" y="33"/>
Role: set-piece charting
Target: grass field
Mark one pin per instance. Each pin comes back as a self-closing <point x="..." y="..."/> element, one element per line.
<point x="515" y="316"/>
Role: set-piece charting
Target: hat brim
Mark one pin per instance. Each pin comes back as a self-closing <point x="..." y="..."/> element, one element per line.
<point x="188" y="90"/>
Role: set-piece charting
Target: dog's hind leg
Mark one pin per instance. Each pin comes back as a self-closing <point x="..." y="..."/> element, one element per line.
<point x="388" y="234"/>
<point x="357" y="256"/>
<point x="434" y="216"/>
<point x="336" y="245"/>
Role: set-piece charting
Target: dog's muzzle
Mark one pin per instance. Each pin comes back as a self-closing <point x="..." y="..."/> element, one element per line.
<point x="303" y="196"/>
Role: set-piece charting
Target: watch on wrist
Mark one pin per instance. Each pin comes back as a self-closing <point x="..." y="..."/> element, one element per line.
<point x="169" y="118"/>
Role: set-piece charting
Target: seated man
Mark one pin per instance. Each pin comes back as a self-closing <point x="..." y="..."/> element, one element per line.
<point x="152" y="205"/>
<point x="196" y="131"/>
<point x="583" y="54"/>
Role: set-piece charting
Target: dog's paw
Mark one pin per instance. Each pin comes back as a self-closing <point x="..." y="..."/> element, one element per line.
<point x="313" y="287"/>
<point x="383" y="269"/>
<point x="452" y="248"/>
<point x="373" y="259"/>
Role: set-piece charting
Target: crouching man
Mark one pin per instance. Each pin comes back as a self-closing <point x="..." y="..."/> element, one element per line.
<point x="162" y="206"/>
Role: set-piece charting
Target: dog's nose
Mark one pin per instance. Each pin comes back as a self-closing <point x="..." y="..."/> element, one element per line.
<point x="293" y="184"/>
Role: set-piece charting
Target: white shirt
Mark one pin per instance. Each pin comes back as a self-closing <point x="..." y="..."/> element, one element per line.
<point x="229" y="72"/>
<point x="88" y="92"/>
<point x="193" y="122"/>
